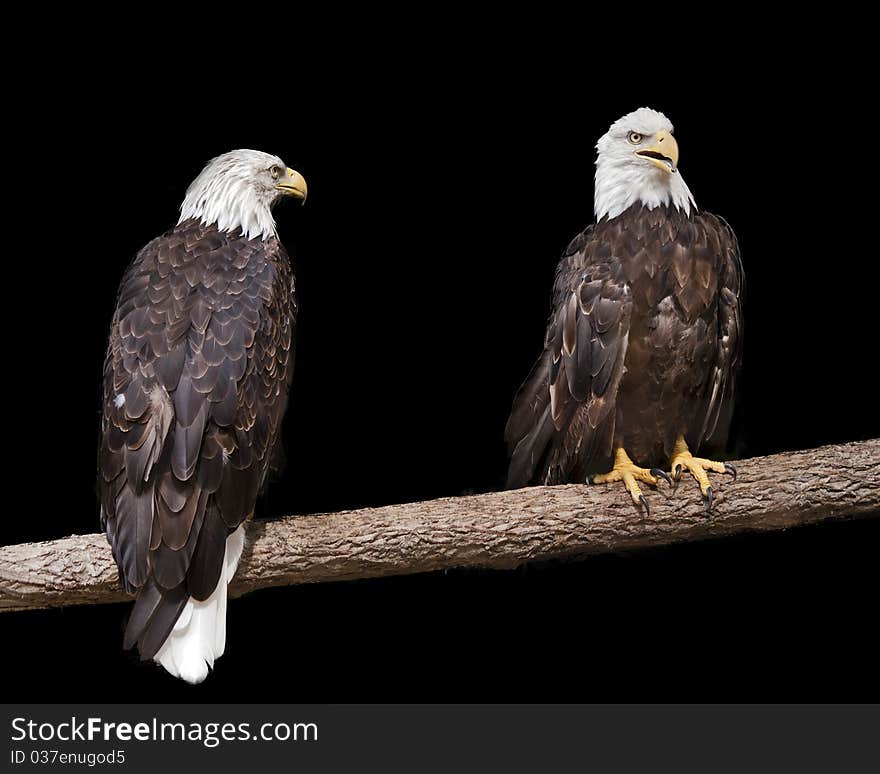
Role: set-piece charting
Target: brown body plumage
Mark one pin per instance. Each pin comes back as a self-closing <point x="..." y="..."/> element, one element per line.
<point x="642" y="346"/>
<point x="201" y="353"/>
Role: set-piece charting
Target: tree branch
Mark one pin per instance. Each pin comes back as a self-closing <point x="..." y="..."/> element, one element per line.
<point x="498" y="530"/>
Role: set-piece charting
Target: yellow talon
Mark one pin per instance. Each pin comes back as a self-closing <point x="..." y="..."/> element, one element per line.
<point x="627" y="471"/>
<point x="682" y="459"/>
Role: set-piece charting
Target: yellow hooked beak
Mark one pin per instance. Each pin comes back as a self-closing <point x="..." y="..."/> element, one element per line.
<point x="293" y="184"/>
<point x="663" y="153"/>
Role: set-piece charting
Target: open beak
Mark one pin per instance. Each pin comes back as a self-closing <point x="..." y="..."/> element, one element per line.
<point x="293" y="184"/>
<point x="663" y="153"/>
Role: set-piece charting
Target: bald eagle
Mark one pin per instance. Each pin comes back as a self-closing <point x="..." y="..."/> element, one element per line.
<point x="195" y="385"/>
<point x="644" y="339"/>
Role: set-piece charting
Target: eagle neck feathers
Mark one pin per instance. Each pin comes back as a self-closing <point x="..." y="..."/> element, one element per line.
<point x="620" y="187"/>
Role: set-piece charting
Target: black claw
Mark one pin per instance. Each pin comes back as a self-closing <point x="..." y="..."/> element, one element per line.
<point x="644" y="501"/>
<point x="728" y="468"/>
<point x="590" y="480"/>
<point x="661" y="474"/>
<point x="676" y="477"/>
<point x="710" y="496"/>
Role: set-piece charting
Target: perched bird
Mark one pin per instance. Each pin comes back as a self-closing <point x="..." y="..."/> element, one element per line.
<point x="644" y="340"/>
<point x="195" y="386"/>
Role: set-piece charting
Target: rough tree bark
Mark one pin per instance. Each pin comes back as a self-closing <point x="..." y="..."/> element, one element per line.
<point x="496" y="530"/>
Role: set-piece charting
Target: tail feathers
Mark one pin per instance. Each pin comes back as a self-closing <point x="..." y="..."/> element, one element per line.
<point x="530" y="428"/>
<point x="528" y="458"/>
<point x="234" y="550"/>
<point x="199" y="636"/>
<point x="153" y="617"/>
<point x="529" y="402"/>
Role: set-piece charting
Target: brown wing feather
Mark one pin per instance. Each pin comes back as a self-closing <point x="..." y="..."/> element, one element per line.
<point x="714" y="417"/>
<point x="201" y="350"/>
<point x="563" y="415"/>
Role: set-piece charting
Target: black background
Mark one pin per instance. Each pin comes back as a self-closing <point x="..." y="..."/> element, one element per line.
<point x="444" y="181"/>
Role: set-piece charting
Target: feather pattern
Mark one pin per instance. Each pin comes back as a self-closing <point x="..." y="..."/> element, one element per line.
<point x="642" y="345"/>
<point x="198" y="637"/>
<point x="196" y="379"/>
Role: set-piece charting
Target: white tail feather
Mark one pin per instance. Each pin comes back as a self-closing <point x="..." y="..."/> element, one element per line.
<point x="199" y="636"/>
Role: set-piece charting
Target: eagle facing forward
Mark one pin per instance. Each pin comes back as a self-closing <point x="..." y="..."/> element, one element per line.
<point x="195" y="386"/>
<point x="644" y="340"/>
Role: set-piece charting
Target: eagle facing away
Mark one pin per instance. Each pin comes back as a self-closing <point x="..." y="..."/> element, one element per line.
<point x="195" y="386"/>
<point x="645" y="335"/>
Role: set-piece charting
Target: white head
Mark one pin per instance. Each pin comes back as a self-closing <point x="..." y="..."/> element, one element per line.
<point x="638" y="162"/>
<point x="238" y="190"/>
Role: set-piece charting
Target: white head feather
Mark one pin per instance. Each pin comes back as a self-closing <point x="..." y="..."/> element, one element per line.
<point x="623" y="178"/>
<point x="235" y="190"/>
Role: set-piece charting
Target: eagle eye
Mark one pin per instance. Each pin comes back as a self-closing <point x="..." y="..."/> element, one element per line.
<point x="275" y="172"/>
<point x="634" y="138"/>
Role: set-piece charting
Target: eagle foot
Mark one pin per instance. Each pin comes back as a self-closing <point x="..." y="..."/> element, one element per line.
<point x="630" y="474"/>
<point x="683" y="460"/>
